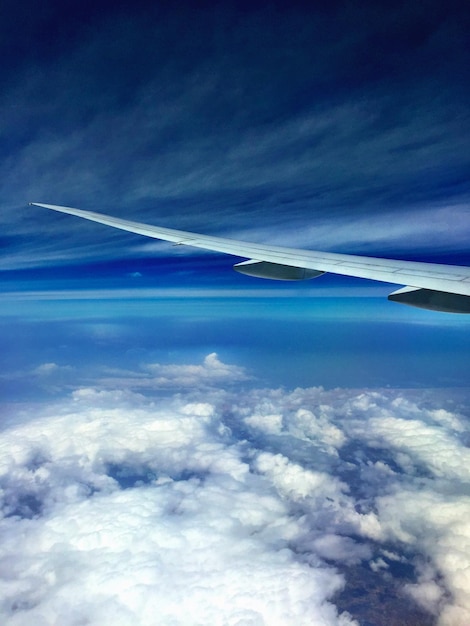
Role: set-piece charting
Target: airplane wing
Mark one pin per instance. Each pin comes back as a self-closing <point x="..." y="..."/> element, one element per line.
<point x="426" y="285"/>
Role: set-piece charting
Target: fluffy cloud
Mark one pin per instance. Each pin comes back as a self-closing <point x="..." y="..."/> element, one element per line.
<point x="212" y="371"/>
<point x="148" y="516"/>
<point x="438" y="525"/>
<point x="152" y="376"/>
<point x="270" y="507"/>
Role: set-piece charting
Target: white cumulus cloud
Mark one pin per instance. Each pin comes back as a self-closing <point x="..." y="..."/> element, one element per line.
<point x="148" y="516"/>
<point x="215" y="507"/>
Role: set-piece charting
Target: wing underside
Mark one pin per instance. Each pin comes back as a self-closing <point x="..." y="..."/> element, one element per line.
<point x="427" y="285"/>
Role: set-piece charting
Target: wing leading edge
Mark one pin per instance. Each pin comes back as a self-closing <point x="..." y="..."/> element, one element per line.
<point x="427" y="285"/>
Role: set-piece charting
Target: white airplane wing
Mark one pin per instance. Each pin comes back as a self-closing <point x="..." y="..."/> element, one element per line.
<point x="426" y="285"/>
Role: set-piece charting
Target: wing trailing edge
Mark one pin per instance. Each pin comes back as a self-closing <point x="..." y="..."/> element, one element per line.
<point x="431" y="286"/>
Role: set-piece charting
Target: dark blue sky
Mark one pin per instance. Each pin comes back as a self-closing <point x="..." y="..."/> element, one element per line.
<point x="340" y="126"/>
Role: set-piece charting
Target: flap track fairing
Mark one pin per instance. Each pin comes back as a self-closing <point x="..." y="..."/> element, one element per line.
<point x="275" y="271"/>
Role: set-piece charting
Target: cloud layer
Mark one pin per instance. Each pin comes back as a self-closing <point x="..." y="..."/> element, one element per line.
<point x="267" y="507"/>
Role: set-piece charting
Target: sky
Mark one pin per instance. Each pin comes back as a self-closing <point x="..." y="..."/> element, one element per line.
<point x="184" y="445"/>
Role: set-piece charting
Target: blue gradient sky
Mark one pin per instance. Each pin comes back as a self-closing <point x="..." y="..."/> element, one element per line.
<point x="326" y="125"/>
